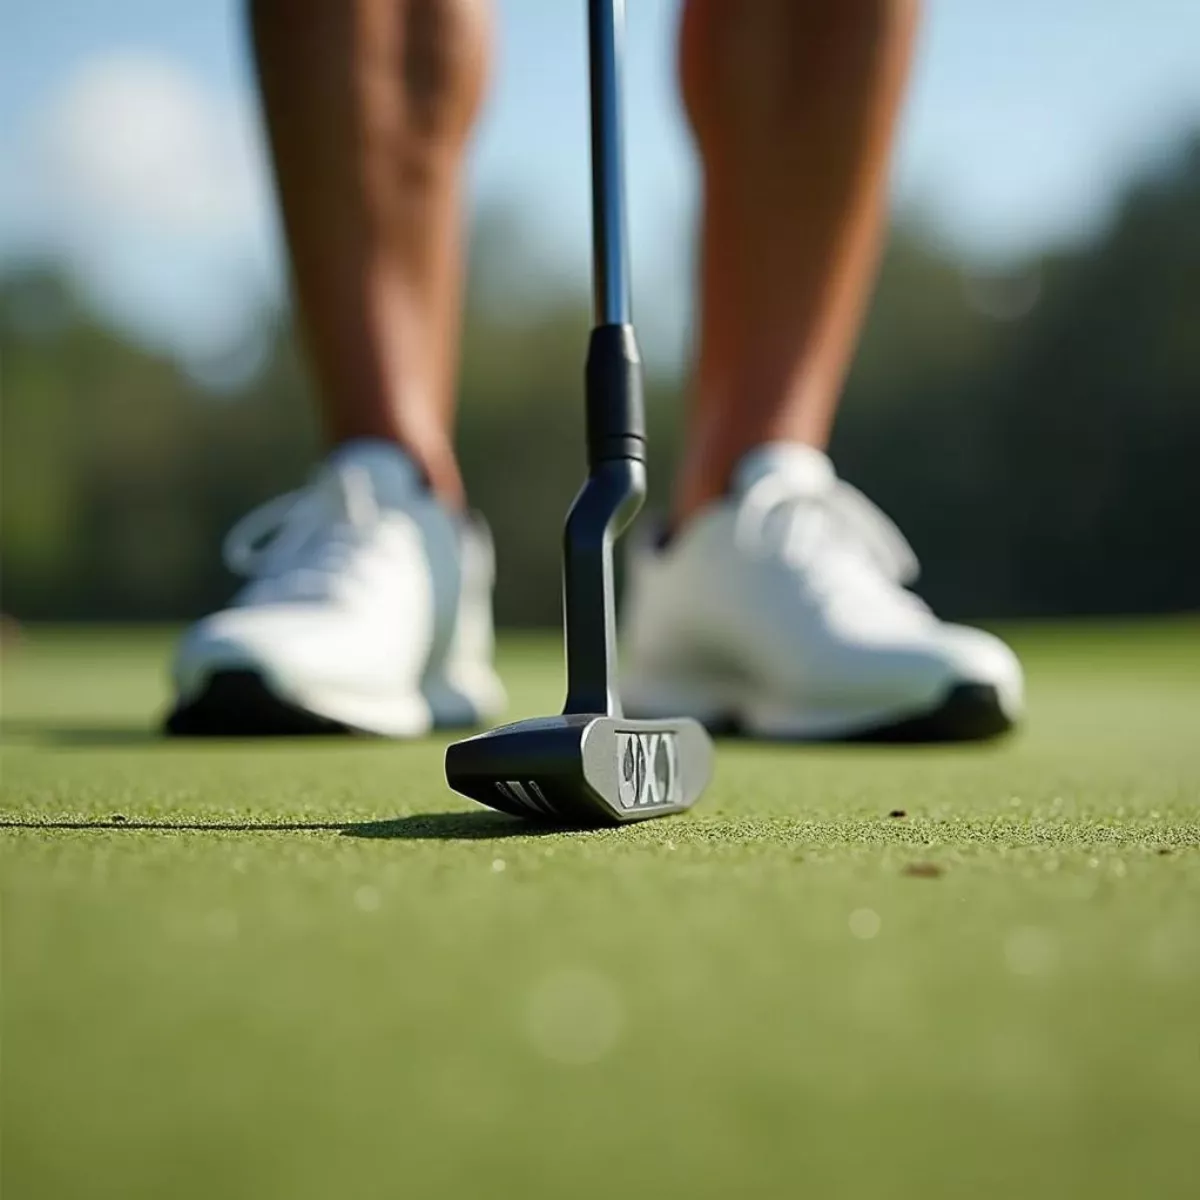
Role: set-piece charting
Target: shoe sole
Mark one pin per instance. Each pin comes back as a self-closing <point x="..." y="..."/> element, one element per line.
<point x="237" y="703"/>
<point x="971" y="712"/>
<point x="968" y="712"/>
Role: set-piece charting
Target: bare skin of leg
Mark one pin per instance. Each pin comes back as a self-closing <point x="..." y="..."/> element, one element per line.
<point x="368" y="105"/>
<point x="792" y="104"/>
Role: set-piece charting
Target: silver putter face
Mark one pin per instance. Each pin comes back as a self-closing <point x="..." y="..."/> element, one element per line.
<point x="583" y="769"/>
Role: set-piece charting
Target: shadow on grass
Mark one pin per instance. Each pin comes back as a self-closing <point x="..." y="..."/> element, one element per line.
<point x="79" y="737"/>
<point x="450" y="827"/>
<point x="41" y="734"/>
<point x="434" y="827"/>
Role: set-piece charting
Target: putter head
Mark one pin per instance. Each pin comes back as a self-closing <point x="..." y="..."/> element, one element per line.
<point x="581" y="769"/>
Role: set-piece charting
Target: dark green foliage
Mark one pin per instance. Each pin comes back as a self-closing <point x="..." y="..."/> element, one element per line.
<point x="1042" y="461"/>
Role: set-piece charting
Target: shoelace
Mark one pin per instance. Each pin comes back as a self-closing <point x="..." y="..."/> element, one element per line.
<point x="776" y="516"/>
<point x="299" y="542"/>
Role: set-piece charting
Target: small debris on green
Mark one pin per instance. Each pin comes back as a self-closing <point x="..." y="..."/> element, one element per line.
<point x="922" y="870"/>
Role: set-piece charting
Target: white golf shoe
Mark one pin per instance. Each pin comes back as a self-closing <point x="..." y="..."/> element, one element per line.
<point x="781" y="612"/>
<point x="367" y="608"/>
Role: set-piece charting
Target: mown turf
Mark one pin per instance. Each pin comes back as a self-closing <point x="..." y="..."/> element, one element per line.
<point x="307" y="970"/>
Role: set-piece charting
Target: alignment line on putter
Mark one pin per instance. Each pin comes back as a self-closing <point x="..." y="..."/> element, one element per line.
<point x="592" y="765"/>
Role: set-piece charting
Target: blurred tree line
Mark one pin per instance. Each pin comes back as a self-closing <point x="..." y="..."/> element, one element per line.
<point x="1035" y="433"/>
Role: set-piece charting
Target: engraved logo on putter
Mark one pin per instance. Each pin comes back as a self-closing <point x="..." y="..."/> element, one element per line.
<point x="649" y="769"/>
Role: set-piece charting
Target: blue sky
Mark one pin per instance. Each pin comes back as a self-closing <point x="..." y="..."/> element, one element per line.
<point x="129" y="144"/>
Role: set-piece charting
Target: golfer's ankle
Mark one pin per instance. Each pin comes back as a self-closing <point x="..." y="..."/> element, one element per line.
<point x="431" y="453"/>
<point x="706" y="472"/>
<point x="440" y="468"/>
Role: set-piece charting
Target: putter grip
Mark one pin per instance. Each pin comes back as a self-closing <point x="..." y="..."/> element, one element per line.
<point x="616" y="417"/>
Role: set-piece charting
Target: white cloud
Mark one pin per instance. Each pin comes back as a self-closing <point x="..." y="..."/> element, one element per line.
<point x="154" y="192"/>
<point x="134" y="137"/>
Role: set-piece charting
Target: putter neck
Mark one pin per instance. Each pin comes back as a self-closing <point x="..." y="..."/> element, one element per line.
<point x="607" y="503"/>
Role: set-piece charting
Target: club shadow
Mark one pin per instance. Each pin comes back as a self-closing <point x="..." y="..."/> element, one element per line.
<point x="451" y="827"/>
<point x="436" y="827"/>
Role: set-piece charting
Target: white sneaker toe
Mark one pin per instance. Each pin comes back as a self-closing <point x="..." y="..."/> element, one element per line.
<point x="955" y="684"/>
<point x="368" y="609"/>
<point x="978" y="658"/>
<point x="308" y="660"/>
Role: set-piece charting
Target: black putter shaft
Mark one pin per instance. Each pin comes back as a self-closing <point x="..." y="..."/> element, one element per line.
<point x="610" y="243"/>
<point x="592" y="765"/>
<point x="616" y="424"/>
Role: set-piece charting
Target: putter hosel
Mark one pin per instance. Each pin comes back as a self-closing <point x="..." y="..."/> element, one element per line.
<point x="607" y="502"/>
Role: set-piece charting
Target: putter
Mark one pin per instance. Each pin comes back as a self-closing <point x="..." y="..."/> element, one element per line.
<point x="591" y="765"/>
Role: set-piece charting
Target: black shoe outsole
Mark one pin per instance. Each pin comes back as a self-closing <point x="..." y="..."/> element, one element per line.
<point x="238" y="704"/>
<point x="970" y="712"/>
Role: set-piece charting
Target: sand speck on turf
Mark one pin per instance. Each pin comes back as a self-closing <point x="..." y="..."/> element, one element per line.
<point x="922" y="870"/>
<point x="574" y="1017"/>
<point x="865" y="923"/>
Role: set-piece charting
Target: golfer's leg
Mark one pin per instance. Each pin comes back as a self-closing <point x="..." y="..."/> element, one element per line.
<point x="368" y="106"/>
<point x="367" y="602"/>
<point x="793" y="104"/>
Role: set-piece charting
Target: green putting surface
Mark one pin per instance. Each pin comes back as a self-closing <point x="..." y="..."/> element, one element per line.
<point x="306" y="969"/>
